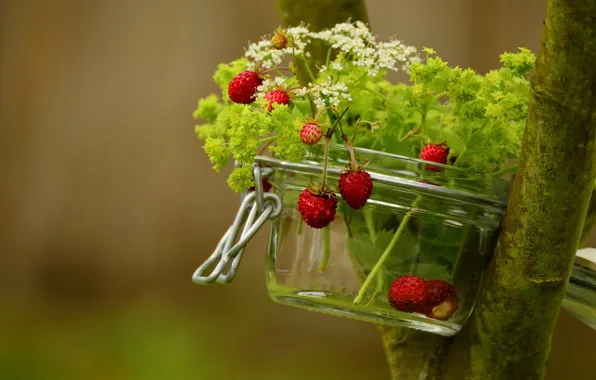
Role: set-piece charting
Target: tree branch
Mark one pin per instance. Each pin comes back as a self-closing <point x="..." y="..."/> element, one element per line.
<point x="525" y="283"/>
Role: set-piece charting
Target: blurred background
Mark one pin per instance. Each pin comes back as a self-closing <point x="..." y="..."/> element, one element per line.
<point x="110" y="204"/>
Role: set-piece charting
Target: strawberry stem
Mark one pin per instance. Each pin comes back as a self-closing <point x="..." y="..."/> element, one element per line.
<point x="353" y="163"/>
<point x="379" y="287"/>
<point x="331" y="130"/>
<point x="326" y="249"/>
<point x="385" y="255"/>
<point x="325" y="161"/>
<point x="325" y="109"/>
<point x="267" y="141"/>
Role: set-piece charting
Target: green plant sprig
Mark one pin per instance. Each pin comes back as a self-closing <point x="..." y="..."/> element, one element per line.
<point x="481" y="118"/>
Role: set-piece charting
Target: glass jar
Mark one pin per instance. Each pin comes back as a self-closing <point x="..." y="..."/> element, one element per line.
<point x="580" y="298"/>
<point x="432" y="221"/>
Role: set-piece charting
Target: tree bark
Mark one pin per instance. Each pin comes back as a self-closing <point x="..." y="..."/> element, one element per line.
<point x="526" y="281"/>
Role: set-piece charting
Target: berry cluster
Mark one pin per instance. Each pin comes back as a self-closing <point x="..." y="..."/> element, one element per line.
<point x="436" y="298"/>
<point x="318" y="203"/>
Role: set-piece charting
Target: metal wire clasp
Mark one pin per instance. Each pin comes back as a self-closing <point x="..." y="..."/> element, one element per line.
<point x="255" y="209"/>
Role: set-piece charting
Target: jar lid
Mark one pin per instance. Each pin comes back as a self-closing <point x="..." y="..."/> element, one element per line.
<point x="586" y="257"/>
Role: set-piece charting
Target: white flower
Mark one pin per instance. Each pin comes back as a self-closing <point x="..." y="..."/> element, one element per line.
<point x="262" y="52"/>
<point x="337" y="66"/>
<point x="355" y="39"/>
<point x="302" y="91"/>
<point x="327" y="93"/>
<point x="270" y="84"/>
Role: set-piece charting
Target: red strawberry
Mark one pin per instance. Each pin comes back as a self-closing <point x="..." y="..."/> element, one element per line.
<point x="435" y="153"/>
<point x="355" y="187"/>
<point x="311" y="134"/>
<point x="243" y="87"/>
<point x="276" y="96"/>
<point x="279" y="41"/>
<point x="317" y="208"/>
<point x="409" y="294"/>
<point x="439" y="290"/>
<point x="442" y="300"/>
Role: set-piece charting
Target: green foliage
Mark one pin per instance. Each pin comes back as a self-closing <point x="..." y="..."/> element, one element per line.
<point x="241" y="178"/>
<point x="520" y="63"/>
<point x="481" y="118"/>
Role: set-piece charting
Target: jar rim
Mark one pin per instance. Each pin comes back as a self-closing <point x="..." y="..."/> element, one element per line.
<point x="447" y="181"/>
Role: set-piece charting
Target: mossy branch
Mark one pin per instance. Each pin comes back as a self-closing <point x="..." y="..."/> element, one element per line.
<point x="510" y="333"/>
<point x="526" y="281"/>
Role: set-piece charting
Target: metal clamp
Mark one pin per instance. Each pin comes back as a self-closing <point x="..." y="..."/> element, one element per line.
<point x="255" y="209"/>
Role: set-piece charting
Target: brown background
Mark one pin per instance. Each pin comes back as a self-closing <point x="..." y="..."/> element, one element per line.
<point x="109" y="202"/>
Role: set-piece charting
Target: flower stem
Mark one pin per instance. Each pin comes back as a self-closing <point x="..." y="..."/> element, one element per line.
<point x="308" y="70"/>
<point x="328" y="58"/>
<point x="358" y="80"/>
<point x="385" y="255"/>
<point x="284" y="68"/>
<point x="326" y="249"/>
<point x="370" y="225"/>
<point x="506" y="170"/>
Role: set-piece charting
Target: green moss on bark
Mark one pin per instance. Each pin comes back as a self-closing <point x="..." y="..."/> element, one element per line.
<point x="412" y="354"/>
<point x="526" y="281"/>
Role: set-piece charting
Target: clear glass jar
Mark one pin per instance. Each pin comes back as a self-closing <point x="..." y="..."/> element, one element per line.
<point x="580" y="298"/>
<point x="439" y="224"/>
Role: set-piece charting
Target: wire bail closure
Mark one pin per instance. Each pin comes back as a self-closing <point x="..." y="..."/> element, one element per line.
<point x="255" y="209"/>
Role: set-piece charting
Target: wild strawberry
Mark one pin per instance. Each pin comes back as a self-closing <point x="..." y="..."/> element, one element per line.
<point x="311" y="133"/>
<point x="279" y="41"/>
<point x="243" y="87"/>
<point x="276" y="96"/>
<point x="442" y="300"/>
<point x="409" y="294"/>
<point x="435" y="153"/>
<point x="355" y="187"/>
<point x="317" y="207"/>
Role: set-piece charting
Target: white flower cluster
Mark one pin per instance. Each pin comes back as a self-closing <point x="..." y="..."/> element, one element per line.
<point x="270" y="84"/>
<point x="357" y="41"/>
<point x="262" y="52"/>
<point x="390" y="54"/>
<point x="356" y="46"/>
<point x="326" y="93"/>
<point x="352" y="39"/>
<point x="347" y="37"/>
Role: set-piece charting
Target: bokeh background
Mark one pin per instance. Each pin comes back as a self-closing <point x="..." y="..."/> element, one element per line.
<point x="109" y="204"/>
